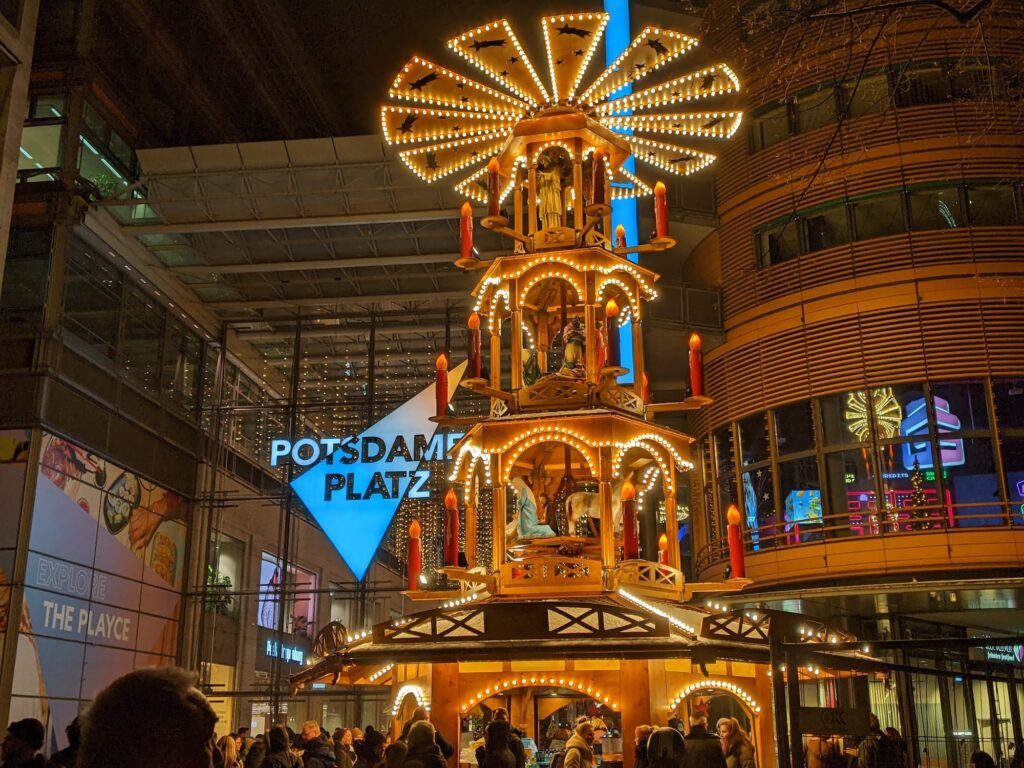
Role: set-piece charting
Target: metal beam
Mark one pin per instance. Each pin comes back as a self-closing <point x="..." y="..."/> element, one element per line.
<point x="347" y="332"/>
<point x="313" y="265"/>
<point x="289" y="222"/>
<point x="336" y="301"/>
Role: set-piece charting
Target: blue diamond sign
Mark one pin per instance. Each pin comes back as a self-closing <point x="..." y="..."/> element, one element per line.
<point x="355" y="488"/>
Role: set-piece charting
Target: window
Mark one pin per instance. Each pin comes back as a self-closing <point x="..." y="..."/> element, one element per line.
<point x="47" y="107"/>
<point x="92" y="298"/>
<point x="794" y="428"/>
<point x="300" y="616"/>
<point x="991" y="206"/>
<point x="919" y="84"/>
<point x="1009" y="400"/>
<point x="759" y="508"/>
<point x="965" y="401"/>
<point x="971" y="81"/>
<point x="26" y="268"/>
<point x="935" y="208"/>
<point x="1013" y="465"/>
<point x="770" y="125"/>
<point x="801" y="500"/>
<point x="40" y="149"/>
<point x="815" y="109"/>
<point x="726" y="468"/>
<point x="879" y="216"/>
<point x="869" y="96"/>
<point x="141" y="338"/>
<point x="970" y="479"/>
<point x="779" y="243"/>
<point x="182" y="356"/>
<point x="851" y="492"/>
<point x="827" y="227"/>
<point x="224" y="574"/>
<point x="754" y="438"/>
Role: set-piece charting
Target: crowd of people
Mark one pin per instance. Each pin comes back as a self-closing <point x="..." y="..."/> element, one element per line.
<point x="178" y="723"/>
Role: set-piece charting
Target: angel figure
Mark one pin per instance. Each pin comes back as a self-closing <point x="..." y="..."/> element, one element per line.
<point x="549" y="192"/>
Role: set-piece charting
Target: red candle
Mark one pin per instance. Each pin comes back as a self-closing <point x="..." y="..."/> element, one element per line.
<point x="696" y="366"/>
<point x="735" y="543"/>
<point x="466" y="230"/>
<point x="611" y="319"/>
<point x="451" y="529"/>
<point x="597" y="177"/>
<point x="441" y="388"/>
<point x="620" y="236"/>
<point x="630" y="534"/>
<point x="660" y="210"/>
<point x="473" y="345"/>
<point x="493" y="188"/>
<point x="414" y="561"/>
<point x="663" y="550"/>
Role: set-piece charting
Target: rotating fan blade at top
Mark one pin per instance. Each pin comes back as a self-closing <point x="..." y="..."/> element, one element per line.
<point x="570" y="41"/>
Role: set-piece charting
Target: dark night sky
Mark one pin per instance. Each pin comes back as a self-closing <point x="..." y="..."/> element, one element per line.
<point x="362" y="45"/>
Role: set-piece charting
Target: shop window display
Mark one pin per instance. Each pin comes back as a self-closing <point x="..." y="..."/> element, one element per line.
<point x="801" y="500"/>
<point x="759" y="508"/>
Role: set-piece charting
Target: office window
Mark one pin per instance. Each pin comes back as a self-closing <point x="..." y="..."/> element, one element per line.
<point x="916" y="84"/>
<point x="827" y="228"/>
<point x="815" y="109"/>
<point x="770" y="126"/>
<point x="879" y="216"/>
<point x="991" y="206"/>
<point x="867" y="97"/>
<point x="26" y="268"/>
<point x="40" y="149"/>
<point x="1009" y="400"/>
<point x="182" y="356"/>
<point x="794" y="428"/>
<point x="779" y="243"/>
<point x="935" y="208"/>
<point x="754" y="438"/>
<point x="47" y="107"/>
<point x="92" y="298"/>
<point x="142" y="337"/>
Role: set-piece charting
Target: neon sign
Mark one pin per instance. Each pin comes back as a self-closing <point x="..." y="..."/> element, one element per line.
<point x="353" y="487"/>
<point x="918" y="453"/>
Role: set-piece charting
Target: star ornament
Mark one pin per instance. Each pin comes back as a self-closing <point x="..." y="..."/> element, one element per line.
<point x="659" y="118"/>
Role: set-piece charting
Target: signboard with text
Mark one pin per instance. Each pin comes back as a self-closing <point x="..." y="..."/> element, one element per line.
<point x="826" y="721"/>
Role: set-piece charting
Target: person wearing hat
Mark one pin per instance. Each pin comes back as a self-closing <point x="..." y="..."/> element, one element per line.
<point x="24" y="739"/>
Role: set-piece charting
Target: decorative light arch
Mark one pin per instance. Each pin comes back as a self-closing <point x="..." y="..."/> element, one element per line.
<point x="406" y="690"/>
<point x="547" y="434"/>
<point x="548" y="272"/>
<point x="720" y="685"/>
<point x="583" y="686"/>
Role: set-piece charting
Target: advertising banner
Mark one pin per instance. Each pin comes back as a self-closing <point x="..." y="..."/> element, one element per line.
<point x="102" y="586"/>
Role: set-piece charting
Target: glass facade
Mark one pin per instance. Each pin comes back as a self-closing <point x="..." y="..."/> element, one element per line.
<point x="909" y="457"/>
<point x="942" y="205"/>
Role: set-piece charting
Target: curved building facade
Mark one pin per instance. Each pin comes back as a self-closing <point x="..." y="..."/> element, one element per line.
<point x="869" y="397"/>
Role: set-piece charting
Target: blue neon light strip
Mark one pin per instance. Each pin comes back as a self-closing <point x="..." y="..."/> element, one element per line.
<point x="617" y="37"/>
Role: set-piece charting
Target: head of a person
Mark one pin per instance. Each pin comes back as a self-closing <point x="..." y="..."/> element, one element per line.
<point x="641" y="733"/>
<point x="420" y="713"/>
<point x="74" y="733"/>
<point x="600" y="729"/>
<point x="395" y="753"/>
<point x="277" y="739"/>
<point x="873" y="721"/>
<point x="892" y="733"/>
<point x="164" y="704"/>
<point x="665" y="747"/>
<point x="310" y="730"/>
<point x="228" y="746"/>
<point x="675" y="722"/>
<point x="500" y="714"/>
<point x="24" y="738"/>
<point x="562" y="734"/>
<point x="698" y="720"/>
<point x="373" y="744"/>
<point x="357" y="734"/>
<point x="585" y="731"/>
<point x="982" y="759"/>
<point x="421" y="735"/>
<point x="731" y="732"/>
<point x="344" y="736"/>
<point x="243" y="732"/>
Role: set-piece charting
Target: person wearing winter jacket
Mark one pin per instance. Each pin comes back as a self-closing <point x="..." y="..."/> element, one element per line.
<point x="665" y="748"/>
<point x="318" y="753"/>
<point x="344" y="752"/>
<point x="279" y="753"/>
<point x="736" y="744"/>
<point x="423" y="749"/>
<point x="419" y="714"/>
<point x="579" y="749"/>
<point x="703" y="749"/>
<point x="497" y="749"/>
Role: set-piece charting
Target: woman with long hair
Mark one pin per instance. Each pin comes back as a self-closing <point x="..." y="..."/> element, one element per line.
<point x="228" y="747"/>
<point x="736" y="744"/>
